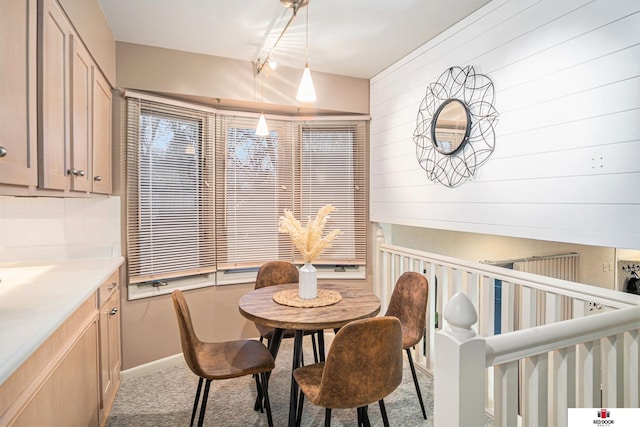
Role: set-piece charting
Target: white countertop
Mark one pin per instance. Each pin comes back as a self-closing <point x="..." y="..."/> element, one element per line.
<point x="37" y="297"/>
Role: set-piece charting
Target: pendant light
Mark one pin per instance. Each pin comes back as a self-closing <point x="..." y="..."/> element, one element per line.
<point x="306" y="91"/>
<point x="262" y="129"/>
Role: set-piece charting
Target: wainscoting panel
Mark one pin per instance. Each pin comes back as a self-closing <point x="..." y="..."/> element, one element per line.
<point x="566" y="164"/>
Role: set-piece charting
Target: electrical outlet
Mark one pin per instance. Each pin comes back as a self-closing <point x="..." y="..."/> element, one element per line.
<point x="593" y="307"/>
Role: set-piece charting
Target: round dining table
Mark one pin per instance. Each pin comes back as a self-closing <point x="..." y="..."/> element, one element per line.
<point x="259" y="306"/>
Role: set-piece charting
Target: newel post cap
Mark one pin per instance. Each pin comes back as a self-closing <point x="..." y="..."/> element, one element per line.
<point x="460" y="315"/>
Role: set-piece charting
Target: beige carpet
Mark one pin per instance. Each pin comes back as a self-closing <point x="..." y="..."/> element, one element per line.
<point x="165" y="398"/>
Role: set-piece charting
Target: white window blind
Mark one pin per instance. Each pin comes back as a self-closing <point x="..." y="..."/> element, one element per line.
<point x="299" y="167"/>
<point x="257" y="173"/>
<point x="204" y="193"/>
<point x="170" y="198"/>
<point x="333" y="170"/>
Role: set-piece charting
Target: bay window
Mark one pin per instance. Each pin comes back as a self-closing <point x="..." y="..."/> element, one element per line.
<point x="204" y="193"/>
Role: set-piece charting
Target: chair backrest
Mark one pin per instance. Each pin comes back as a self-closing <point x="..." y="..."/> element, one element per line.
<point x="364" y="363"/>
<point x="276" y="273"/>
<point x="188" y="338"/>
<point x="409" y="304"/>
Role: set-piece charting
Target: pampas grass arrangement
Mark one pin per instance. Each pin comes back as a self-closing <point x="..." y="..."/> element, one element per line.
<point x="308" y="239"/>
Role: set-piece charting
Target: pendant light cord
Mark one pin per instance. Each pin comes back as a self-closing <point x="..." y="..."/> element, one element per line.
<point x="306" y="48"/>
<point x="262" y="94"/>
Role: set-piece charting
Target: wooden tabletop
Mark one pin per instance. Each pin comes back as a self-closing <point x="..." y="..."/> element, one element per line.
<point x="259" y="306"/>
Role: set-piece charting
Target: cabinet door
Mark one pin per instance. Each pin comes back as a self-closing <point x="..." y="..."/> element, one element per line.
<point x="68" y="397"/>
<point x="54" y="114"/>
<point x="18" y="121"/>
<point x="82" y="85"/>
<point x="101" y="134"/>
<point x="109" y="350"/>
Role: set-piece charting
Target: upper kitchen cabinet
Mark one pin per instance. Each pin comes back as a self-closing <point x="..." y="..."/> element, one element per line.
<point x="55" y="89"/>
<point x="18" y="94"/>
<point x="101" y="164"/>
<point x="74" y="128"/>
<point x="81" y="112"/>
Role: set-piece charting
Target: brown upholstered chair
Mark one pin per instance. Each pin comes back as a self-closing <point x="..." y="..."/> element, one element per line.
<point x="409" y="304"/>
<point x="363" y="366"/>
<point x="279" y="273"/>
<point x="222" y="360"/>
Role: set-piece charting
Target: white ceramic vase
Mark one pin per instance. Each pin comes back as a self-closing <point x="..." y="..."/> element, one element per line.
<point x="308" y="281"/>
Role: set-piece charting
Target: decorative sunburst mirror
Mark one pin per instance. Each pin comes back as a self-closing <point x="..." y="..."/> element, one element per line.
<point x="454" y="132"/>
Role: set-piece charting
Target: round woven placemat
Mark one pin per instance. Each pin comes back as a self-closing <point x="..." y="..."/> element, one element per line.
<point x="292" y="298"/>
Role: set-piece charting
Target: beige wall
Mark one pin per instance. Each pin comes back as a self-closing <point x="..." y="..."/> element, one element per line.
<point x="90" y="23"/>
<point x="204" y="78"/>
<point x="149" y="327"/>
<point x="483" y="247"/>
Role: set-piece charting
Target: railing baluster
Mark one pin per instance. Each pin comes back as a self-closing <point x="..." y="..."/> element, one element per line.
<point x="473" y="292"/>
<point x="444" y="286"/>
<point x="432" y="313"/>
<point x="632" y="371"/>
<point x="506" y="395"/>
<point x="508" y="307"/>
<point x="612" y="383"/>
<point x="535" y="385"/>
<point x="553" y="308"/>
<point x="588" y="375"/>
<point x="528" y="309"/>
<point x="486" y="306"/>
<point x="562" y="388"/>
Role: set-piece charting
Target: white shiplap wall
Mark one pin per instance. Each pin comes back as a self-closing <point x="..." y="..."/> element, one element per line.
<point x="566" y="164"/>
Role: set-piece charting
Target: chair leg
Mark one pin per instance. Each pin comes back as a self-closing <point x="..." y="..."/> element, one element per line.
<point x="195" y="402"/>
<point x="299" y="414"/>
<point x="383" y="411"/>
<point x="265" y="391"/>
<point x="315" y="348"/>
<point x="257" y="406"/>
<point x="365" y="417"/>
<point x="203" y="406"/>
<point x="415" y="381"/>
<point x="327" y="417"/>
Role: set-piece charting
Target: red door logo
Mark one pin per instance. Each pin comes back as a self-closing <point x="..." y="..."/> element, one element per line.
<point x="603" y="413"/>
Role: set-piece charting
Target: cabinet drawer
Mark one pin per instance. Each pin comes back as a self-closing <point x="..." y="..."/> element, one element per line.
<point x="108" y="287"/>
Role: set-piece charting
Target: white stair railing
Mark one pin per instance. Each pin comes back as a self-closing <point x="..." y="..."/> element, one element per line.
<point x="528" y="301"/>
<point x="538" y="372"/>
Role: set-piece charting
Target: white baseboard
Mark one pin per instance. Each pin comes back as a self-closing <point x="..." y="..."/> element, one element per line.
<point x="167" y="362"/>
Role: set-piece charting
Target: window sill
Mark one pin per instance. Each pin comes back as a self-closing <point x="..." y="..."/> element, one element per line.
<point x="222" y="278"/>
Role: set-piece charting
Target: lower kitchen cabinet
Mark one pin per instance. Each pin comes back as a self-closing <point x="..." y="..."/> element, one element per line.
<point x="110" y="359"/>
<point x="73" y="377"/>
<point x="68" y="396"/>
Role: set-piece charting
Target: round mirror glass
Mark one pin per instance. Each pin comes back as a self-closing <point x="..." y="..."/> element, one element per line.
<point x="450" y="126"/>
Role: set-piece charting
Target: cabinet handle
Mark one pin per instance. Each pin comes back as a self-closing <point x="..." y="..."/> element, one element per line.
<point x="97" y="178"/>
<point x="76" y="172"/>
<point x="113" y="285"/>
<point x="113" y="311"/>
<point x="3" y="151"/>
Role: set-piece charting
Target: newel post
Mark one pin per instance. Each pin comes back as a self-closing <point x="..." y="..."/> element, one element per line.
<point x="460" y="362"/>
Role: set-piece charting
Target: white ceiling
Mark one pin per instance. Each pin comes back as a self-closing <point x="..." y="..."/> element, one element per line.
<point x="357" y="38"/>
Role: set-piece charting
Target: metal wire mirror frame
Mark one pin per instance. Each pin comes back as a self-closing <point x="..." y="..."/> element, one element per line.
<point x="477" y="93"/>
